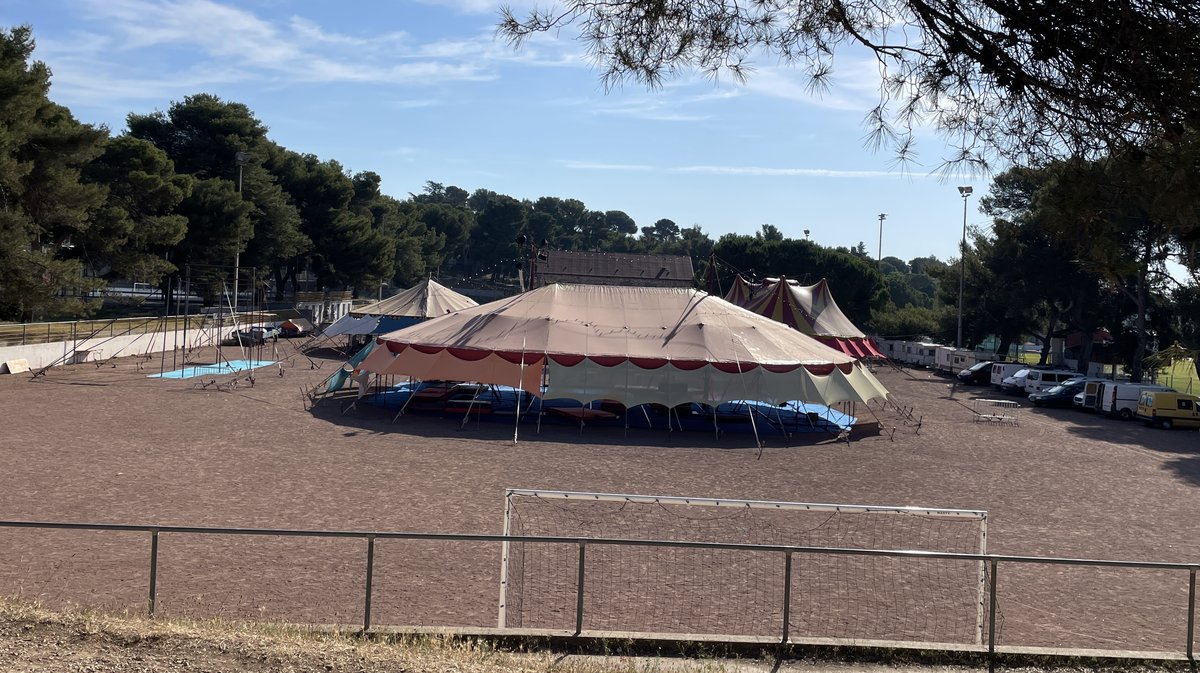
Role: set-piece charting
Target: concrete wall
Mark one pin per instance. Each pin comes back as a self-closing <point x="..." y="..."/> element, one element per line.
<point x="103" y="348"/>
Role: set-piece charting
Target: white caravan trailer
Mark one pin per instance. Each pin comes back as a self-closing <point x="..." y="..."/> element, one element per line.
<point x="891" y="348"/>
<point x="942" y="356"/>
<point x="963" y="358"/>
<point x="919" y="353"/>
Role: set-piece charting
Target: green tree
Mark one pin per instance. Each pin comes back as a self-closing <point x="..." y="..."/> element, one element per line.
<point x="216" y="215"/>
<point x="134" y="232"/>
<point x="1022" y="80"/>
<point x="493" y="240"/>
<point x="1119" y="219"/>
<point x="208" y="138"/>
<point x="45" y="205"/>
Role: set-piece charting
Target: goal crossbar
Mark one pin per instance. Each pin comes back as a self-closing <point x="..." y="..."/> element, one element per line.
<point x="754" y="504"/>
<point x="947" y="513"/>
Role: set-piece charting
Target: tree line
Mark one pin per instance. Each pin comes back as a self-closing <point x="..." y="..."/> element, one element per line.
<point x="201" y="184"/>
<point x="1075" y="244"/>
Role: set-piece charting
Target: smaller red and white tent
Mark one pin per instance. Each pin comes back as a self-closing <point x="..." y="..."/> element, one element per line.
<point x="810" y="309"/>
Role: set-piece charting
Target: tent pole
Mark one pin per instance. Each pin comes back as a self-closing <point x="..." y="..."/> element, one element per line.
<point x="467" y="416"/>
<point x="411" y="393"/>
<point x="520" y="378"/>
<point x="787" y="436"/>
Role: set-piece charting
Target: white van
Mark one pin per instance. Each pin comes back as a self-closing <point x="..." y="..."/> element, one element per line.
<point x="1016" y="383"/>
<point x="1044" y="379"/>
<point x="1003" y="370"/>
<point x="1120" y="399"/>
<point x="1088" y="399"/>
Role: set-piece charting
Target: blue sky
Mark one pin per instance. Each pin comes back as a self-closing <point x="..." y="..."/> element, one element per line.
<point x="421" y="91"/>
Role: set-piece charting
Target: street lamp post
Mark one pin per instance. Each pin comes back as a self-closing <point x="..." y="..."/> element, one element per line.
<point x="240" y="158"/>
<point x="964" y="192"/>
<point x="879" y="257"/>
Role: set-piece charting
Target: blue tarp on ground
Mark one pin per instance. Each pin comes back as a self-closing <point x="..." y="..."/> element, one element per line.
<point x="217" y="369"/>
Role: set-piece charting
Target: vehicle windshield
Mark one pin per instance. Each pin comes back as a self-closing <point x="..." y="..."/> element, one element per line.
<point x="979" y="365"/>
<point x="1021" y="373"/>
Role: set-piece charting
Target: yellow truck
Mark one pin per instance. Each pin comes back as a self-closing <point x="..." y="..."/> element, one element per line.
<point x="1169" y="409"/>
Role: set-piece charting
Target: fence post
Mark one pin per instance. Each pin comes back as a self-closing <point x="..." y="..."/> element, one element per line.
<point x="370" y="581"/>
<point x="1191" y="612"/>
<point x="992" y="618"/>
<point x="787" y="595"/>
<point x="579" y="589"/>
<point x="153" y="569"/>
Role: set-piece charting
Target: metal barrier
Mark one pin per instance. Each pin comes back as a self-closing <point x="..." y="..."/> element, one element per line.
<point x="992" y="561"/>
<point x="22" y="334"/>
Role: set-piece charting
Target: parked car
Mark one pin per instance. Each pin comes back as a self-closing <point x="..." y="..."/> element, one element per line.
<point x="979" y="373"/>
<point x="1168" y="410"/>
<point x="1003" y="370"/>
<point x="265" y="332"/>
<point x="1062" y="395"/>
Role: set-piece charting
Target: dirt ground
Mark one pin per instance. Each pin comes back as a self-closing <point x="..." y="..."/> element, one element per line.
<point x="109" y="445"/>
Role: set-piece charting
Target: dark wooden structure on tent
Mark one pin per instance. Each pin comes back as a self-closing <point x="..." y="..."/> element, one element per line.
<point x="611" y="268"/>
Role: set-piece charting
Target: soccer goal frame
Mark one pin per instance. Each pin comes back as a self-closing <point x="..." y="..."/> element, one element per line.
<point x="978" y="515"/>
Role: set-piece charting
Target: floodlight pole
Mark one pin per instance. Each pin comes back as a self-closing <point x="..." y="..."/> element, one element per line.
<point x="240" y="158"/>
<point x="879" y="257"/>
<point x="964" y="192"/>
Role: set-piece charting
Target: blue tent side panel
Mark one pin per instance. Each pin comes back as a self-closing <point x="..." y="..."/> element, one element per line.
<point x="361" y="354"/>
<point x="392" y="324"/>
<point x="337" y="380"/>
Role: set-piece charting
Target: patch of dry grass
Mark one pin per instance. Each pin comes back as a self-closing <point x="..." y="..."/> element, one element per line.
<point x="31" y="636"/>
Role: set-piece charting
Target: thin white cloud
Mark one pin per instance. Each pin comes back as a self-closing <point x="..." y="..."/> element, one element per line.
<point x="751" y="171"/>
<point x="785" y="172"/>
<point x="651" y="109"/>
<point x="309" y="30"/>
<point x="229" y="39"/>
<point x="465" y="6"/>
<point x="594" y="166"/>
<point x="416" y="103"/>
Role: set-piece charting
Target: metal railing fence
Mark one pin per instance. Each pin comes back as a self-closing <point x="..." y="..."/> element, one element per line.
<point x="22" y="334"/>
<point x="787" y="553"/>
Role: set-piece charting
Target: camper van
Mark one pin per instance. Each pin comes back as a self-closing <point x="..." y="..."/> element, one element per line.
<point x="1167" y="410"/>
<point x="1120" y="399"/>
<point x="1003" y="370"/>
<point x="1045" y="379"/>
<point x="1015" y="384"/>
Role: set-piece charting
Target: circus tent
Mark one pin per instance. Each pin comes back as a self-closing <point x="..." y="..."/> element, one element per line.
<point x="427" y="299"/>
<point x="635" y="345"/>
<point x="810" y="309"/>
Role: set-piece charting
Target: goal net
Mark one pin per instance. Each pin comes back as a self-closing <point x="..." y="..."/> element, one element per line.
<point x="682" y="590"/>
